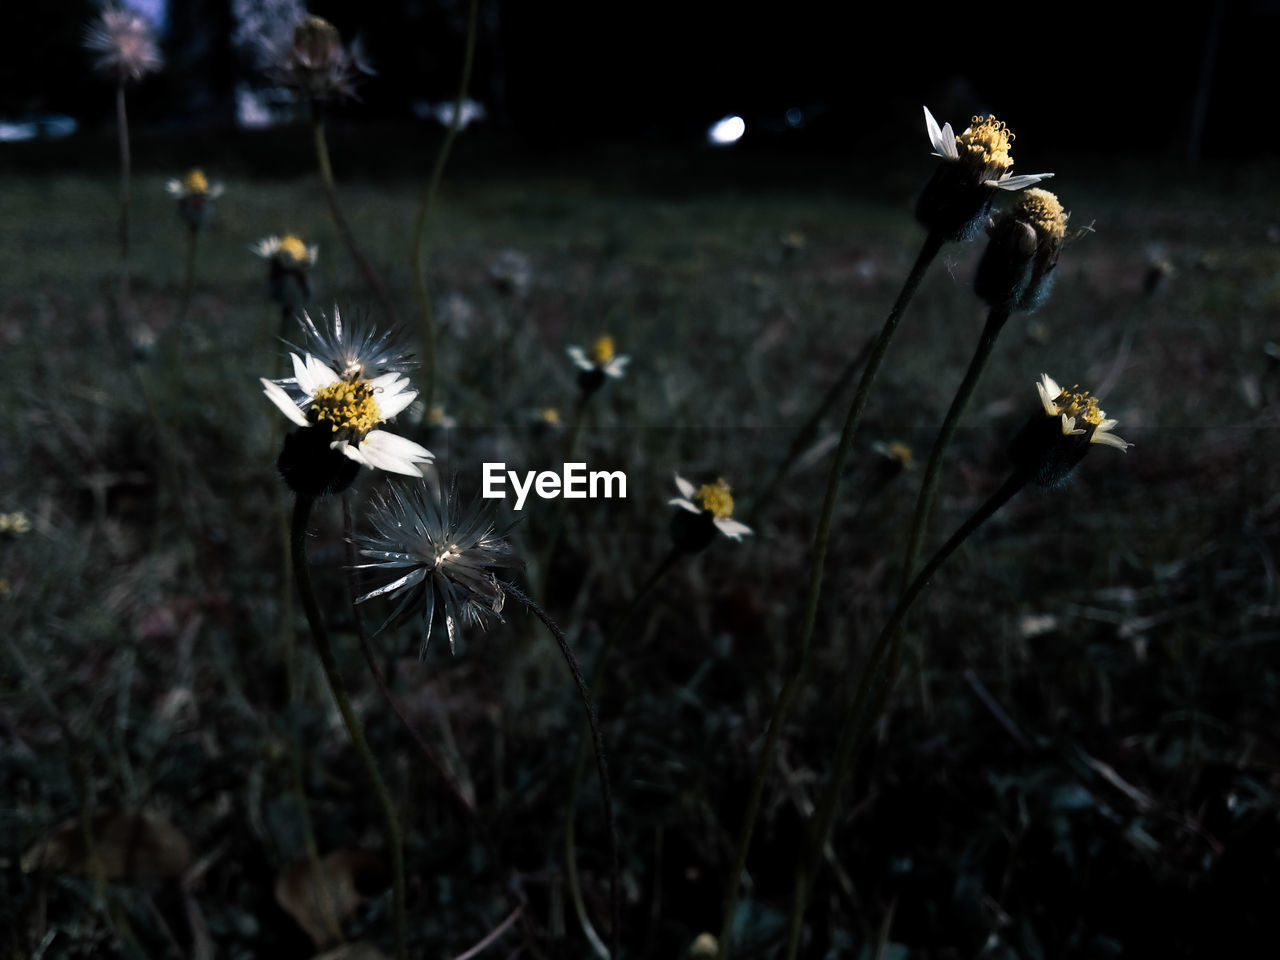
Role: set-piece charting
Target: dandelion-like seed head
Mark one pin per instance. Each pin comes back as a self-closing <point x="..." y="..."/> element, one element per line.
<point x="712" y="505"/>
<point x="437" y="552"/>
<point x="124" y="45"/>
<point x="315" y="64"/>
<point x="354" y="349"/>
<point x="1048" y="447"/>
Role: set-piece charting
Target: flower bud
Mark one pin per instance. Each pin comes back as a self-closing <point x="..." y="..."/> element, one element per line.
<point x="1016" y="269"/>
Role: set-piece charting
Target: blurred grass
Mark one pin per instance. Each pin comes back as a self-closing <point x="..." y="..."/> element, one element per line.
<point x="1083" y="763"/>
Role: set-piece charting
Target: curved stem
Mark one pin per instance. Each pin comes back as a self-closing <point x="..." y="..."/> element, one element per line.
<point x="996" y="319"/>
<point x="855" y="726"/>
<point x="427" y="204"/>
<point x="302" y="576"/>
<point x="606" y="792"/>
<point x="340" y="221"/>
<point x="615" y="632"/>
<point x="800" y="650"/>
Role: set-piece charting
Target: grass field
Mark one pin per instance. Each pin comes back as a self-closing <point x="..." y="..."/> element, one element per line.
<point x="1082" y="760"/>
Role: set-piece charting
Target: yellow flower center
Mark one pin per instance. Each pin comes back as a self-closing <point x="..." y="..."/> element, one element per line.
<point x="348" y="405"/>
<point x="901" y="453"/>
<point x="1080" y="405"/>
<point x="294" y="248"/>
<point x="1043" y="211"/>
<point x="550" y="415"/>
<point x="436" y="416"/>
<point x="986" y="143"/>
<point x="602" y="351"/>
<point x="715" y="497"/>
<point x="195" y="182"/>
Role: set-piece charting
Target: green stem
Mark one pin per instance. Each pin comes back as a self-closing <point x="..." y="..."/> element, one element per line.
<point x="602" y="770"/>
<point x="302" y="576"/>
<point x="427" y="204"/>
<point x="615" y="632"/>
<point x="996" y="319"/>
<point x="340" y="221"/>
<point x="800" y="651"/>
<point x="855" y="726"/>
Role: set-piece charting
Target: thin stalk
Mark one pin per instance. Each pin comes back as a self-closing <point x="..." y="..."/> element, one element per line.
<point x="302" y="576"/>
<point x="996" y="319"/>
<point x="855" y="726"/>
<point x="557" y="518"/>
<point x="616" y="631"/>
<point x="799" y="658"/>
<point x="427" y="204"/>
<point x="122" y="133"/>
<point x="340" y="221"/>
<point x="602" y="769"/>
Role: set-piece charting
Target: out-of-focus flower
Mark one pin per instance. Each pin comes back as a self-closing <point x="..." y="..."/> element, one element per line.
<point x="14" y="524"/>
<point x="290" y="262"/>
<point x="975" y="164"/>
<point x="1048" y="447"/>
<point x="892" y="459"/>
<point x="597" y="363"/>
<point x="439" y="419"/>
<point x="316" y="65"/>
<point x="195" y="196"/>
<point x="123" y="42"/>
<point x="433" y="548"/>
<point x="1016" y="270"/>
<point x="712" y="507"/>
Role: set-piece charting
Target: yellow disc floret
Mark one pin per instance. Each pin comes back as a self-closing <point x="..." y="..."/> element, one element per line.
<point x="715" y="497"/>
<point x="550" y="415"/>
<point x="986" y="144"/>
<point x="1043" y="211"/>
<point x="900" y="452"/>
<point x="349" y="406"/>
<point x="293" y="248"/>
<point x="602" y="351"/>
<point x="195" y="182"/>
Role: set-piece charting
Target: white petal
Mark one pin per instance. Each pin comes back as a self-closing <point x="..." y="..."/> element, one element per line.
<point x="174" y="187"/>
<point x="1049" y="391"/>
<point x="302" y="375"/>
<point x="687" y="489"/>
<point x="732" y="528"/>
<point x="677" y="502"/>
<point x="943" y="140"/>
<point x="389" y="404"/>
<point x="266" y="247"/>
<point x="579" y="358"/>
<point x="321" y="375"/>
<point x="617" y="366"/>
<point x="1018" y="182"/>
<point x="275" y="393"/>
<point x="1069" y="428"/>
<point x="216" y="191"/>
<point x="1101" y="435"/>
<point x="392" y="453"/>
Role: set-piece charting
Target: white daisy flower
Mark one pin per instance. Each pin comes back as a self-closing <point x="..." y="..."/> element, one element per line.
<point x="194" y="185"/>
<point x="713" y="499"/>
<point x="1079" y="412"/>
<point x="983" y="148"/>
<point x="600" y="358"/>
<point x="353" y="407"/>
<point x="288" y="250"/>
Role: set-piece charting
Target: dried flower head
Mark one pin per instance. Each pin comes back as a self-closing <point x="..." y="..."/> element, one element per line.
<point x="712" y="507"/>
<point x="123" y="42"/>
<point x="354" y="348"/>
<point x="1048" y="447"/>
<point x="975" y="164"/>
<point x="316" y="65"/>
<point x="1016" y="270"/>
<point x="432" y="547"/>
